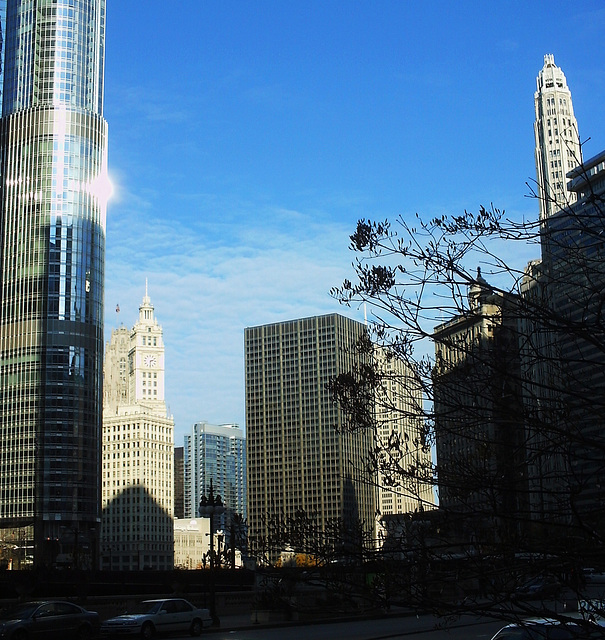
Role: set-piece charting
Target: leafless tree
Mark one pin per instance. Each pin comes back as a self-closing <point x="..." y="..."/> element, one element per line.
<point x="510" y="358"/>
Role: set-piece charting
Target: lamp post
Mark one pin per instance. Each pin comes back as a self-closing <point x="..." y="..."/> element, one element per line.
<point x="211" y="506"/>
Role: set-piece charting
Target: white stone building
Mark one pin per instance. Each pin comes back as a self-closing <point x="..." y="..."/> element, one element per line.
<point x="558" y="148"/>
<point x="138" y="450"/>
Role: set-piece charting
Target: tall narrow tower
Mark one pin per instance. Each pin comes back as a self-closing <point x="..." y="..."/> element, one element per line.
<point x="558" y="148"/>
<point x="53" y="195"/>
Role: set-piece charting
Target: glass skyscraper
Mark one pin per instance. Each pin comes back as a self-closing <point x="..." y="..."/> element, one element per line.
<point x="53" y="195"/>
<point x="215" y="453"/>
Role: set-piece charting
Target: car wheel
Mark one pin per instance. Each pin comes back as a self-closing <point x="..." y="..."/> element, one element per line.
<point x="20" y="634"/>
<point x="196" y="628"/>
<point x="147" y="631"/>
<point x="84" y="633"/>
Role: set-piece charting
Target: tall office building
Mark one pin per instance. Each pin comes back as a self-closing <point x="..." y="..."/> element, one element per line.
<point x="215" y="453"/>
<point x="300" y="455"/>
<point x="573" y="268"/>
<point x="401" y="440"/>
<point x="138" y="450"/>
<point x="53" y="195"/>
<point x="558" y="148"/>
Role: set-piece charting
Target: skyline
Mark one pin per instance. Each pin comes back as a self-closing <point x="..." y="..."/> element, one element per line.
<point x="243" y="158"/>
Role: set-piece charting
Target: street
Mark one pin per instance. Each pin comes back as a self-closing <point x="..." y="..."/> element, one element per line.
<point x="425" y="627"/>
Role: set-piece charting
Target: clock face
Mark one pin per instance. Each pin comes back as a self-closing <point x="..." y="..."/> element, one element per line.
<point x="150" y="361"/>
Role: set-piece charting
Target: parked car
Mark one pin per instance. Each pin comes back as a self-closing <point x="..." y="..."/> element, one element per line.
<point x="48" y="620"/>
<point x="537" y="588"/>
<point x="547" y="629"/>
<point x="157" y="617"/>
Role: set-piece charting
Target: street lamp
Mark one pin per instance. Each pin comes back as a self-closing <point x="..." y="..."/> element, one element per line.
<point x="212" y="506"/>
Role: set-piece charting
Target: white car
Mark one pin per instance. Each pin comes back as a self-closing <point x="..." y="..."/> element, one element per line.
<point x="547" y="629"/>
<point x="153" y="617"/>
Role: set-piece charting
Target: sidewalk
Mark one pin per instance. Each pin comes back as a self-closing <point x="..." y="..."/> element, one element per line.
<point x="254" y="621"/>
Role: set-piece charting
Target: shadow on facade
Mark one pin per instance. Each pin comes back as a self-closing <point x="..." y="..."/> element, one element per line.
<point x="136" y="532"/>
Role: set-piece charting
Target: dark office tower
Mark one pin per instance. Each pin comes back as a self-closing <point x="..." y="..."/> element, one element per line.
<point x="53" y="195"/>
<point x="301" y="458"/>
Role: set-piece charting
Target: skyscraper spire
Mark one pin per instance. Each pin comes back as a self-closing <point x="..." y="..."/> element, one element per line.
<point x="558" y="148"/>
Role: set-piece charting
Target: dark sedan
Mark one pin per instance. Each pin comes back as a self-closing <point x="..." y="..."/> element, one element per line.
<point x="49" y="620"/>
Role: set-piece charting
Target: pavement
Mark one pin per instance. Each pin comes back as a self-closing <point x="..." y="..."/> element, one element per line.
<point x="255" y="620"/>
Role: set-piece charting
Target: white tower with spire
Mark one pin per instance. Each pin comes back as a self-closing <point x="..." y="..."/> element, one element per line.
<point x="558" y="148"/>
<point x="146" y="359"/>
<point x="138" y="450"/>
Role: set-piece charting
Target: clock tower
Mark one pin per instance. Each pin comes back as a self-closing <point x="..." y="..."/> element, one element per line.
<point x="146" y="358"/>
<point x="137" y="530"/>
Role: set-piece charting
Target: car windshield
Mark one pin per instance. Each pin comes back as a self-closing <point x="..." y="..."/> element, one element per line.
<point x="18" y="612"/>
<point x="148" y="607"/>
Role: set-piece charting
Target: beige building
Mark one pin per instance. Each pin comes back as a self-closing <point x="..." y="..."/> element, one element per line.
<point x="404" y="478"/>
<point x="191" y="542"/>
<point x="138" y="450"/>
<point x="558" y="148"/>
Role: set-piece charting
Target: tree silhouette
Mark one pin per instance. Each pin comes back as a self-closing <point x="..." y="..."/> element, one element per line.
<point x="511" y="362"/>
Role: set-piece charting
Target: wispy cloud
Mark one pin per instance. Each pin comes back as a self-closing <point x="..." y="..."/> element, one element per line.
<point x="206" y="293"/>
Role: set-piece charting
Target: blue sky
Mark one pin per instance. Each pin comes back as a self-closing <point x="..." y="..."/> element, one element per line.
<point x="247" y="138"/>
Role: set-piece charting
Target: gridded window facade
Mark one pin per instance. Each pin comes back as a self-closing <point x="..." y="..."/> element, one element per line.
<point x="297" y="455"/>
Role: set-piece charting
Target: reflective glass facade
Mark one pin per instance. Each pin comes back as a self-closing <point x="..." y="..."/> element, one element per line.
<point x="53" y="190"/>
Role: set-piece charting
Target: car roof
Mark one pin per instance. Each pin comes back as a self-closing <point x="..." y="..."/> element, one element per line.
<point x="165" y="600"/>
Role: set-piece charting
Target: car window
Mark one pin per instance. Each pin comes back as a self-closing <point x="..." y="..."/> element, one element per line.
<point x="560" y="632"/>
<point x="45" y="610"/>
<point x="66" y="609"/>
<point x="512" y="634"/>
<point x="149" y="607"/>
<point x="168" y="607"/>
<point x="183" y="606"/>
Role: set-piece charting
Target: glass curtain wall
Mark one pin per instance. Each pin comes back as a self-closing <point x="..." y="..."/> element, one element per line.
<point x="53" y="190"/>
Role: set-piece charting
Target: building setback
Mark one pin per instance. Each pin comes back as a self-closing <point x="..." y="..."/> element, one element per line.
<point x="53" y="196"/>
<point x="138" y="450"/>
<point x="300" y="457"/>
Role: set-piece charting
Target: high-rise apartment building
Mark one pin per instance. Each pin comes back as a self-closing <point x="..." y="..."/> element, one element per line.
<point x="300" y="455"/>
<point x="53" y="196"/>
<point x="138" y="450"/>
<point x="179" y="487"/>
<point x="215" y="453"/>
<point x="558" y="148"/>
